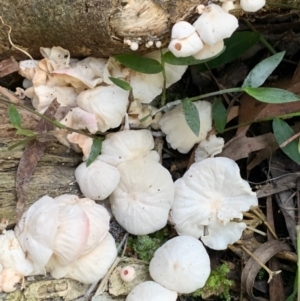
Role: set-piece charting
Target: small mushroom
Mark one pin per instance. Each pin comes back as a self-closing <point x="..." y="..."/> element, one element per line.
<point x="151" y="291"/>
<point x="98" y="180"/>
<point x="252" y="5"/>
<point x="215" y="24"/>
<point x="108" y="103"/>
<point x="185" y="40"/>
<point x="181" y="264"/>
<point x="179" y="134"/>
<point x="8" y="279"/>
<point x="128" y="273"/>
<point x="209" y="51"/>
<point x="209" y="196"/>
<point x="209" y="148"/>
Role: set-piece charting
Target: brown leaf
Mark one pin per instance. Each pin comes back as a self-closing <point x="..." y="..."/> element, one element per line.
<point x="241" y="146"/>
<point x="8" y="66"/>
<point x="30" y="157"/>
<point x="252" y="267"/>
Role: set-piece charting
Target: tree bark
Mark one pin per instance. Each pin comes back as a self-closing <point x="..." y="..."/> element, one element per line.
<point x="87" y="27"/>
<point x="97" y="27"/>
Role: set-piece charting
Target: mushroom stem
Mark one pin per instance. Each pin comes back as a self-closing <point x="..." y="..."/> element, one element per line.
<point x="271" y="273"/>
<point x="257" y="231"/>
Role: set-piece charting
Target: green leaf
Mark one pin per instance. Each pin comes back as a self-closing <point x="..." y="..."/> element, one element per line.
<point x="261" y="71"/>
<point x="24" y="132"/>
<point x="219" y="115"/>
<point x="95" y="151"/>
<point x="191" y="115"/>
<point x="282" y="132"/>
<point x="121" y="83"/>
<point x="171" y="59"/>
<point x="139" y="63"/>
<point x="272" y="95"/>
<point x="236" y="45"/>
<point x="14" y="116"/>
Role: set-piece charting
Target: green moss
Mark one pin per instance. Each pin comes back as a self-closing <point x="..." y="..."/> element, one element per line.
<point x="217" y="284"/>
<point x="145" y="246"/>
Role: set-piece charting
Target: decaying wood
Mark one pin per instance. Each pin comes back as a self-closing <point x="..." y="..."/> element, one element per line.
<point x="98" y="27"/>
<point x="54" y="174"/>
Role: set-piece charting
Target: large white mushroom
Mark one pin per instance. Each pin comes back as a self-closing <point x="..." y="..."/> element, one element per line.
<point x="179" y="134"/>
<point x="151" y="291"/>
<point x="252" y="5"/>
<point x="181" y="264"/>
<point x="209" y="196"/>
<point x="143" y="197"/>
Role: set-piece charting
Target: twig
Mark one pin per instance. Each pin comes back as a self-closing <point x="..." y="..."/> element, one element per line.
<point x="285" y="143"/>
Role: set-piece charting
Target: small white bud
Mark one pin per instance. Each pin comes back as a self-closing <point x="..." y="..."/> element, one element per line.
<point x="128" y="273"/>
<point x="158" y="44"/>
<point x="134" y="46"/>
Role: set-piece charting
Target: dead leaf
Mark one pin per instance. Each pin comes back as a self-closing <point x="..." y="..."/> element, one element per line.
<point x="30" y="157"/>
<point x="8" y="66"/>
<point x="241" y="146"/>
<point x="252" y="267"/>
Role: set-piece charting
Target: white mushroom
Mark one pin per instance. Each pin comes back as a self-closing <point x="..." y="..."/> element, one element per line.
<point x="126" y="146"/>
<point x="207" y="199"/>
<point x="252" y="5"/>
<point x="209" y="148"/>
<point x="57" y="56"/>
<point x="209" y="51"/>
<point x="181" y="264"/>
<point x="227" y="6"/>
<point x="143" y="197"/>
<point x="107" y="103"/>
<point x="98" y="180"/>
<point x="128" y="273"/>
<point x="185" y="40"/>
<point x="179" y="134"/>
<point x="8" y="279"/>
<point x="215" y="24"/>
<point x="151" y="291"/>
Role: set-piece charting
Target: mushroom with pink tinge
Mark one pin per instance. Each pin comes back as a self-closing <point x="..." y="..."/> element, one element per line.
<point x="215" y="24"/>
<point x="179" y="134"/>
<point x="74" y="227"/>
<point x="8" y="279"/>
<point x="151" y="291"/>
<point x="98" y="180"/>
<point x="142" y="200"/>
<point x="108" y="103"/>
<point x="209" y="196"/>
<point x="128" y="273"/>
<point x="128" y="145"/>
<point x="185" y="40"/>
<point x="181" y="264"/>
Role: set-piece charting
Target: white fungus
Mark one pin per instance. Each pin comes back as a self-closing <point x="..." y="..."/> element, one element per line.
<point x="181" y="264"/>
<point x="252" y="5"/>
<point x="127" y="273"/>
<point x="209" y="196"/>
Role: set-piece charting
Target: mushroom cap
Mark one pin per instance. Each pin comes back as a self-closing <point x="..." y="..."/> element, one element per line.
<point x="94" y="265"/>
<point x="98" y="180"/>
<point x="209" y="51"/>
<point x="151" y="291"/>
<point x="228" y="6"/>
<point x="8" y="278"/>
<point x="252" y="5"/>
<point x="142" y="200"/>
<point x="108" y="103"/>
<point x="215" y="24"/>
<point x="212" y="192"/>
<point x="147" y="86"/>
<point x="31" y="228"/>
<point x="128" y="273"/>
<point x="179" y="134"/>
<point x="28" y="68"/>
<point x="187" y="46"/>
<point x="85" y="73"/>
<point x="209" y="148"/>
<point x="181" y="264"/>
<point x="59" y="57"/>
<point x="182" y="29"/>
<point x="126" y="146"/>
<point x="84" y="142"/>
